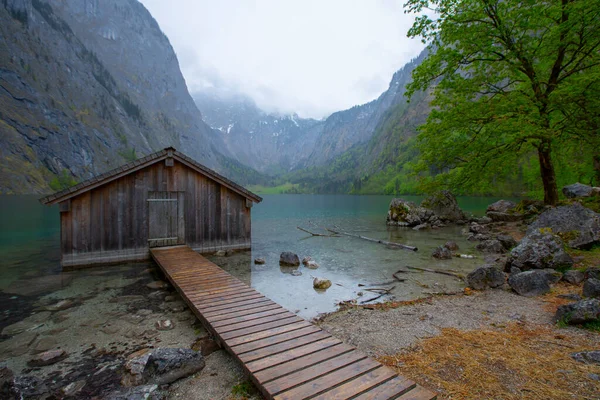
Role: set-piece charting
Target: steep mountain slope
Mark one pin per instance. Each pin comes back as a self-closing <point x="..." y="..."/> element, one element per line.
<point x="267" y="142"/>
<point x="278" y="144"/>
<point x="86" y="85"/>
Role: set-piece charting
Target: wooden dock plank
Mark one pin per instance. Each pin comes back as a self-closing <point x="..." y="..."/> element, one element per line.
<point x="286" y="357"/>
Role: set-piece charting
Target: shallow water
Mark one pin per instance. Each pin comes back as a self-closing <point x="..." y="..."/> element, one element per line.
<point x="29" y="251"/>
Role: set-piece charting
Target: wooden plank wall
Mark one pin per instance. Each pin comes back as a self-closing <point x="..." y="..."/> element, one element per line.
<point x="110" y="223"/>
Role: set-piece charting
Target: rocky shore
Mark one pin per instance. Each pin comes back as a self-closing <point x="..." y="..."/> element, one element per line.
<point x="533" y="303"/>
<point x="112" y="333"/>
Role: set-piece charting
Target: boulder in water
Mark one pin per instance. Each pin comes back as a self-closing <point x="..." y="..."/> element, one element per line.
<point x="444" y="206"/>
<point x="322" y="284"/>
<point x="289" y="258"/>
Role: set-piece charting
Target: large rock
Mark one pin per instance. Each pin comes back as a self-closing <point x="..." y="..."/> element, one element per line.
<point x="573" y="276"/>
<point x="508" y="242"/>
<point x="444" y="205"/>
<point x="540" y="250"/>
<point x="501" y="206"/>
<point x="406" y="213"/>
<point x="321" y="284"/>
<point x="591" y="288"/>
<point x="289" y="258"/>
<point x="134" y="368"/>
<point x="578" y="313"/>
<point x="503" y="210"/>
<point x="486" y="276"/>
<point x="575" y="224"/>
<point x="529" y="283"/>
<point x="442" y="253"/>
<point x="577" y="190"/>
<point x="166" y="365"/>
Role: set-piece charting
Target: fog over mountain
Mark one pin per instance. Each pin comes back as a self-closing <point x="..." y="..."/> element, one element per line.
<point x="307" y="57"/>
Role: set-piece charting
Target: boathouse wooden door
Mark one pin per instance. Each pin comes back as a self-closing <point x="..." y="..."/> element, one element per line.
<point x="166" y="223"/>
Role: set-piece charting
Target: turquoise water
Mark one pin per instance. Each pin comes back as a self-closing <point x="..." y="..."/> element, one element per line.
<point x="29" y="248"/>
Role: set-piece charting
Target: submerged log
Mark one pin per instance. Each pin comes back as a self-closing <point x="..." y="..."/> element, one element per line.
<point x="442" y="272"/>
<point x="315" y="234"/>
<point x="384" y="242"/>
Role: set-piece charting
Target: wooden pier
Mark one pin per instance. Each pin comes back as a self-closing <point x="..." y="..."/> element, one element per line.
<point x="286" y="356"/>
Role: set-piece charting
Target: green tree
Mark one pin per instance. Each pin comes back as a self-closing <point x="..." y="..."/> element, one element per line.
<point x="62" y="181"/>
<point x="504" y="74"/>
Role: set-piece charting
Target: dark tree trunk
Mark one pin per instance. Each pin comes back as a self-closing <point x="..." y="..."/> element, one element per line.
<point x="548" y="174"/>
<point x="597" y="169"/>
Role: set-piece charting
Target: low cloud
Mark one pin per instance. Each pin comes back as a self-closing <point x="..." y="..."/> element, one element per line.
<point x="309" y="57"/>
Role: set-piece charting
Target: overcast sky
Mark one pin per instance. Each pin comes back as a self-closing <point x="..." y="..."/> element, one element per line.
<point x="312" y="57"/>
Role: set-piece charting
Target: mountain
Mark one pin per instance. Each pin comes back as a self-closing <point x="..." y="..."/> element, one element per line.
<point x="324" y="156"/>
<point x="86" y="85"/>
<point x="270" y="143"/>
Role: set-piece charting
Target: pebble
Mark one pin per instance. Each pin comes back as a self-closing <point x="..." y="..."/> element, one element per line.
<point x="109" y="330"/>
<point x="164" y="325"/>
<point x="44" y="344"/>
<point x="157" y="285"/>
<point x="259" y="260"/>
<point x="296" y="273"/>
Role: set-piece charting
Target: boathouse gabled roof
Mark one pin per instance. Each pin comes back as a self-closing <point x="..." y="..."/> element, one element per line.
<point x="141" y="163"/>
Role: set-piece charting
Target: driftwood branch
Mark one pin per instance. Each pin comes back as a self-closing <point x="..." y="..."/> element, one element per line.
<point x="315" y="234"/>
<point x="395" y="275"/>
<point x="384" y="242"/>
<point x="442" y="272"/>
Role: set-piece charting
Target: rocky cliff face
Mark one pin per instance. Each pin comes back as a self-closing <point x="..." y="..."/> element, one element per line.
<point x="267" y="142"/>
<point x="279" y="144"/>
<point x="86" y="85"/>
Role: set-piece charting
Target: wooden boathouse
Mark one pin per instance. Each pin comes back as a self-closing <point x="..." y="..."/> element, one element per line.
<point x="163" y="199"/>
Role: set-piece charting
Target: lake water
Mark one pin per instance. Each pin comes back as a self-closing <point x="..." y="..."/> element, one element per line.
<point x="29" y="252"/>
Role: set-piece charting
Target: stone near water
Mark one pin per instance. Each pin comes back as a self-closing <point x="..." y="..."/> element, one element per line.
<point x="48" y="358"/>
<point x="587" y="357"/>
<point x="540" y="250"/>
<point x="289" y="258"/>
<point x="164" y="325"/>
<point x="306" y="259"/>
<point x="157" y="285"/>
<point x="321" y="283"/>
<point x="312" y="264"/>
<point x="580" y="312"/>
<point x="591" y="288"/>
<point x="166" y="365"/>
<point x="221" y="253"/>
<point x="491" y="246"/>
<point x="530" y="283"/>
<point x="486" y="276"/>
<point x="259" y="261"/>
<point x="501" y="206"/>
<point x="451" y="245"/>
<point x="296" y="273"/>
<point x="420" y="227"/>
<point x="206" y="346"/>
<point x="578" y="226"/>
<point x="478" y="228"/>
<point x="508" y="242"/>
<point x="441" y="253"/>
<point x="577" y="190"/>
<point x="444" y="205"/>
<point x="27" y="324"/>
